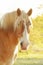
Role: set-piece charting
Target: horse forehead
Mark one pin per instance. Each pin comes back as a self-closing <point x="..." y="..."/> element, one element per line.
<point x="24" y="15"/>
<point x="26" y="18"/>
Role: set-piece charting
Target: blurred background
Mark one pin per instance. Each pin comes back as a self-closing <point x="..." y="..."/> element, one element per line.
<point x="10" y="5"/>
<point x="34" y="55"/>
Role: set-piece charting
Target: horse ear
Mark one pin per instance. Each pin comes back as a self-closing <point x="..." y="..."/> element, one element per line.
<point x="18" y="12"/>
<point x="29" y="12"/>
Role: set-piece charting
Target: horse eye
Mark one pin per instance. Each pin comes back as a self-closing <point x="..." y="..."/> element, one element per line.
<point x="28" y="23"/>
<point x="18" y="23"/>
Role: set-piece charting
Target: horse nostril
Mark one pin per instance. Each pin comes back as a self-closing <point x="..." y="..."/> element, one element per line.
<point x="21" y="43"/>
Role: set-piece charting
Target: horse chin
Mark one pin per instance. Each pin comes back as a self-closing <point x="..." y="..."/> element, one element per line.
<point x="23" y="48"/>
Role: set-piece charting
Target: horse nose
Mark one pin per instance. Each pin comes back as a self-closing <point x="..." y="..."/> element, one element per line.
<point x="24" y="46"/>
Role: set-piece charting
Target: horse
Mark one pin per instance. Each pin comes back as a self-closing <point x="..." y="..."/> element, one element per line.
<point x="14" y="28"/>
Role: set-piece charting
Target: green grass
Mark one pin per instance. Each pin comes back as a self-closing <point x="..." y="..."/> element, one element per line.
<point x="32" y="61"/>
<point x="34" y="55"/>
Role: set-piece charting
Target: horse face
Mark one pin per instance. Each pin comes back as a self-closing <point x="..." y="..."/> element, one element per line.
<point x="24" y="40"/>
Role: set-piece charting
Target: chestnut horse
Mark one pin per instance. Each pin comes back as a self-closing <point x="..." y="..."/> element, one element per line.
<point x="14" y="27"/>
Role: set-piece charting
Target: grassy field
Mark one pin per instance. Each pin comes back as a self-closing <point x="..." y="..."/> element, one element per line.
<point x="34" y="55"/>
